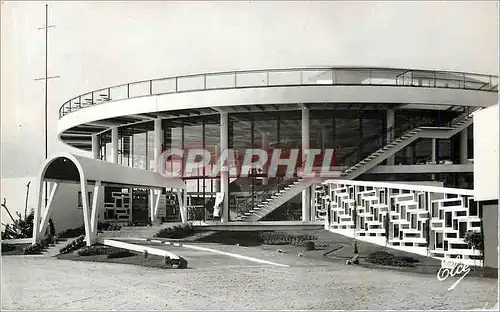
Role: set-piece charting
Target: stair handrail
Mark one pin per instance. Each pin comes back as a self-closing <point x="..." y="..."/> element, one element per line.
<point x="391" y="134"/>
<point x="465" y="115"/>
<point x="388" y="136"/>
<point x="249" y="202"/>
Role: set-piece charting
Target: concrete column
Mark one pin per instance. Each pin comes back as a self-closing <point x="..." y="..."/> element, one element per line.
<point x="313" y="198"/>
<point x="158" y="139"/>
<point x="463" y="146"/>
<point x="433" y="156"/>
<point x="409" y="154"/>
<point x="224" y="175"/>
<point x="95" y="146"/>
<point x="216" y="182"/>
<point x="390" y="123"/>
<point x="306" y="194"/>
<point x="114" y="145"/>
<point x="265" y="146"/>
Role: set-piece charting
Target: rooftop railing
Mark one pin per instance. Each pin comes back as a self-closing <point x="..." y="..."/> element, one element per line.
<point x="325" y="76"/>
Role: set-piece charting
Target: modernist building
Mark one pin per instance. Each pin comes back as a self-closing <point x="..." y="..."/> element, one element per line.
<point x="385" y="124"/>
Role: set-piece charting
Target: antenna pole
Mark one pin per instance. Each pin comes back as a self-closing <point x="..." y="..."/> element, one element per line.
<point x="46" y="78"/>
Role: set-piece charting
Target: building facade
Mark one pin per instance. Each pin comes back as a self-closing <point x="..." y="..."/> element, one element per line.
<point x="382" y="124"/>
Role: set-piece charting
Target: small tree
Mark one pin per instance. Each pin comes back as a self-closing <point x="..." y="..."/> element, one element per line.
<point x="475" y="240"/>
<point x="428" y="232"/>
<point x="52" y="229"/>
<point x="355" y="217"/>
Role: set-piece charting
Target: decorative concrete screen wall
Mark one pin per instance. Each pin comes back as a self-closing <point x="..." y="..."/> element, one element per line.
<point x="427" y="220"/>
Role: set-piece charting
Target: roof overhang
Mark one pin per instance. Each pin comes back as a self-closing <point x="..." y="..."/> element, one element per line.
<point x="70" y="168"/>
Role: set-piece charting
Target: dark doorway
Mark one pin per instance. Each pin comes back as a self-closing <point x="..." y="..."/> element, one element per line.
<point x="140" y="204"/>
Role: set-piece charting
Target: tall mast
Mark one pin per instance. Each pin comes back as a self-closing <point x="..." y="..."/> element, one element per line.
<point x="46" y="78"/>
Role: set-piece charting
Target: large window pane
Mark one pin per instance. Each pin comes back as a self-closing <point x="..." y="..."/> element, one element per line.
<point x="347" y="138"/>
<point x="139" y="148"/>
<point x="172" y="138"/>
<point x="322" y="132"/>
<point x="125" y="146"/>
<point x="372" y="128"/>
<point x="150" y="150"/>
<point x="105" y="145"/>
<point x="212" y="140"/>
<point x="193" y="139"/>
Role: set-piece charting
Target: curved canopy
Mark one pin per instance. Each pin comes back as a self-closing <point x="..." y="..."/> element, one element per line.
<point x="70" y="168"/>
<point x="67" y="167"/>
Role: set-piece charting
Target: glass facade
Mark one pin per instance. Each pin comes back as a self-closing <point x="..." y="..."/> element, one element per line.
<point x="135" y="145"/>
<point x="420" y="151"/>
<point x="195" y="133"/>
<point x="353" y="134"/>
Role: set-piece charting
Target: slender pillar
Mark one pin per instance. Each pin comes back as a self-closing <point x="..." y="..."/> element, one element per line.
<point x="158" y="138"/>
<point x="114" y="145"/>
<point x="216" y="181"/>
<point x="306" y="194"/>
<point x="433" y="156"/>
<point x="95" y="146"/>
<point x="224" y="175"/>
<point x="409" y="154"/>
<point x="434" y="151"/>
<point x="390" y="134"/>
<point x="265" y="146"/>
<point x="312" y="189"/>
<point x="463" y="146"/>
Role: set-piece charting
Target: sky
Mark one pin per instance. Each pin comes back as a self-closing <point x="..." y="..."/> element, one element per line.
<point x="100" y="44"/>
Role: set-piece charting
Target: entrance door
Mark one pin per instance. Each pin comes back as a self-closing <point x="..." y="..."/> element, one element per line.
<point x="140" y="204"/>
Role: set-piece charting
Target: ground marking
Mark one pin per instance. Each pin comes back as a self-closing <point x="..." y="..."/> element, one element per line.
<point x="211" y="250"/>
<point x="234" y="255"/>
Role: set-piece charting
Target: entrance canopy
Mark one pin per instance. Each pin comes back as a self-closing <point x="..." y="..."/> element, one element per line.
<point x="70" y="168"/>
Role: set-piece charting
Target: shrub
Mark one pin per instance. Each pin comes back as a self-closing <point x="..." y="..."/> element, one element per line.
<point x="309" y="245"/>
<point x="106" y="226"/>
<point x="20" y="228"/>
<point x="178" y="231"/>
<point x="69" y="233"/>
<point x="52" y="229"/>
<point x="93" y="250"/>
<point x="8" y="247"/>
<point x="114" y="227"/>
<point x="33" y="249"/>
<point x="48" y="240"/>
<point x="385" y="258"/>
<point x="120" y="254"/>
<point x="74" y="245"/>
<point x="276" y="238"/>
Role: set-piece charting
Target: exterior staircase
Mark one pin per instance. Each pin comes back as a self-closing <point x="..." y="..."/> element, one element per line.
<point x="394" y="145"/>
<point x="265" y="207"/>
<point x="255" y="209"/>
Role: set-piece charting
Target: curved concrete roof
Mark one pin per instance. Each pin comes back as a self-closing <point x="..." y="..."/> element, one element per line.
<point x="71" y="167"/>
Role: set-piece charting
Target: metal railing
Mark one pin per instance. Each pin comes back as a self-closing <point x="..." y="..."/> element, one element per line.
<point x="393" y="133"/>
<point x="319" y="76"/>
